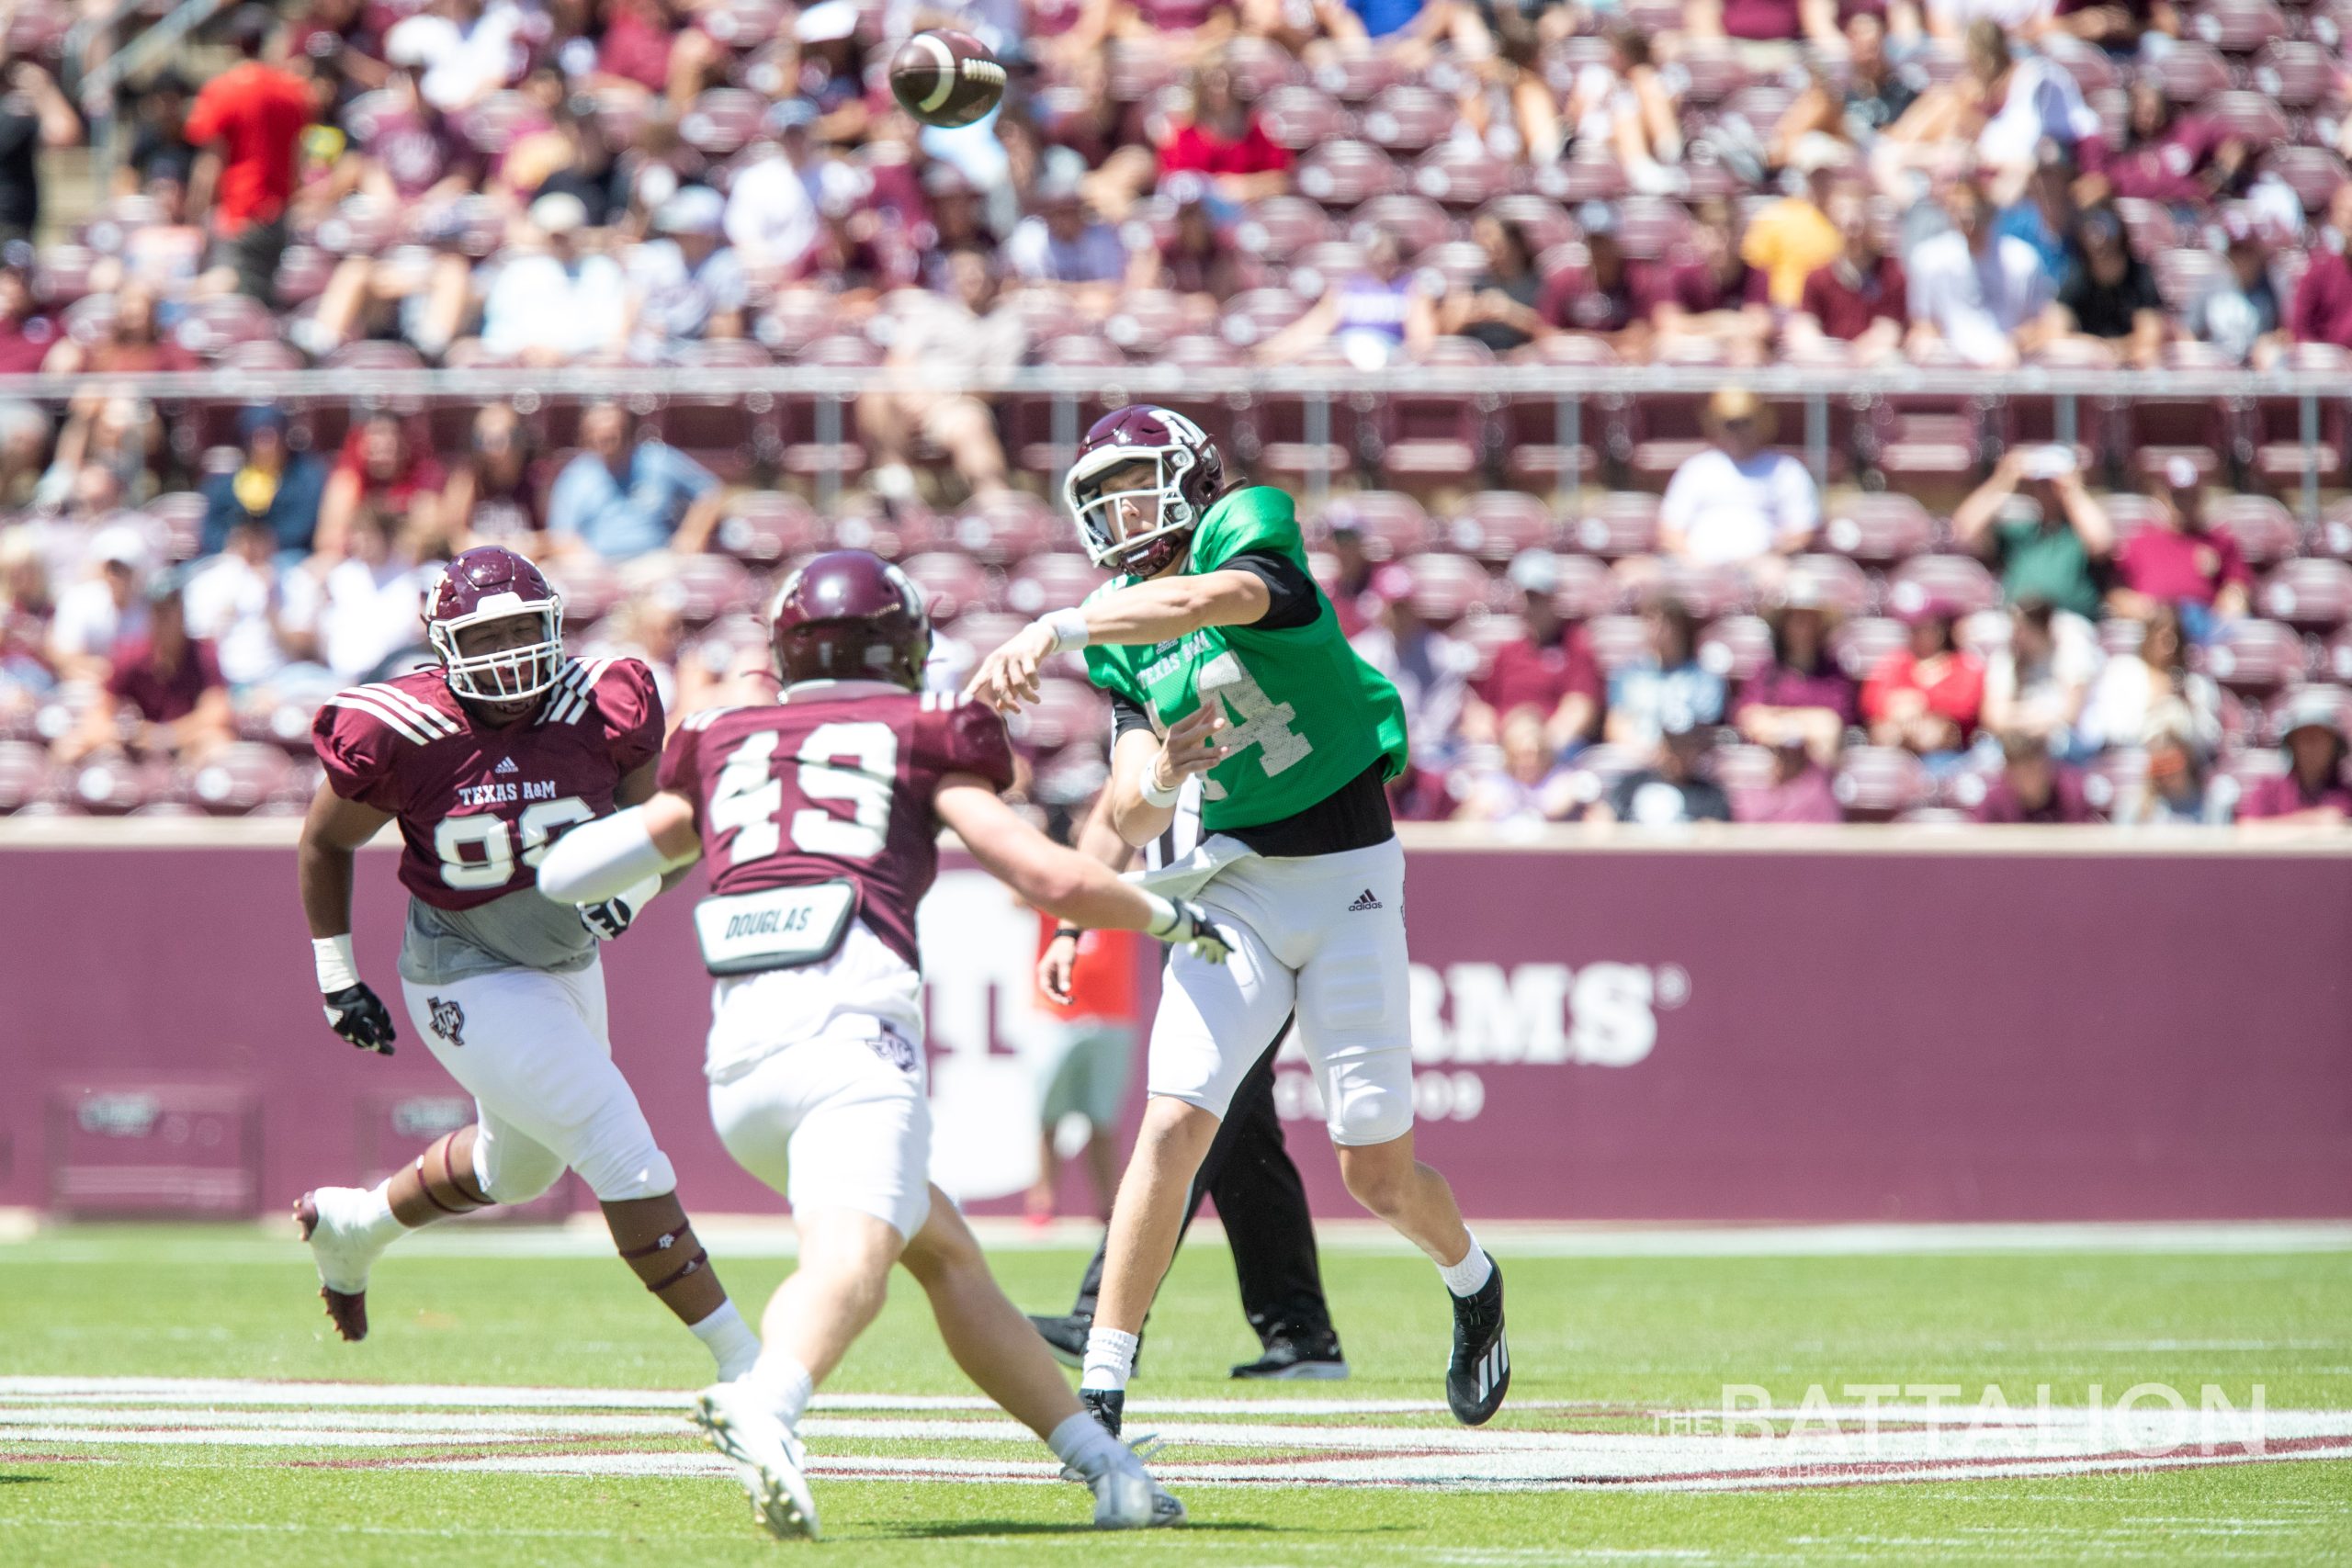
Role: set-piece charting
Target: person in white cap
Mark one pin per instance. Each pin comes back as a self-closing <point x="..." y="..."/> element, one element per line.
<point x="687" y="284"/>
<point x="553" y="303"/>
<point x="104" y="607"/>
<point x="2180" y="562"/>
<point x="2312" y="792"/>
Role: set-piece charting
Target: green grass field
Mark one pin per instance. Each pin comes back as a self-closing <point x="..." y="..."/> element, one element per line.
<point x="256" y="1476"/>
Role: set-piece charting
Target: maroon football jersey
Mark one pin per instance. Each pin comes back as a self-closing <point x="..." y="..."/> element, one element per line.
<point x="478" y="807"/>
<point x="830" y="784"/>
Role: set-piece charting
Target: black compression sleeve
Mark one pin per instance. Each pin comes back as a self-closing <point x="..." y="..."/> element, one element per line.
<point x="1294" y="599"/>
<point x="1126" y="715"/>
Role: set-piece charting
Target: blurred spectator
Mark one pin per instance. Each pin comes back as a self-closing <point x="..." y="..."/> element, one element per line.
<point x="1215" y="134"/>
<point x="1500" y="309"/>
<point x="2322" y="308"/>
<point x="272" y="485"/>
<point x="577" y="159"/>
<point x="1666" y="687"/>
<point x="1628" y="111"/>
<point x="1407" y="31"/>
<point x="165" y="253"/>
<point x="104" y="454"/>
<point x="1925" y="696"/>
<point x="2045" y="213"/>
<point x="164" y="687"/>
<point x="1599" y="298"/>
<point x="2153" y="691"/>
<point x="1792" y="239"/>
<point x="1522" y="786"/>
<point x="247" y="120"/>
<point x="1738" y="501"/>
<point x="2115" y="25"/>
<point x="968" y="331"/>
<point x="1801" y="697"/>
<point x="623" y="497"/>
<point x="33" y="116"/>
<point x="1062" y="241"/>
<point x="2179" y="789"/>
<point x="355" y="614"/>
<point x="2181" y="161"/>
<point x="497" y="491"/>
<point x="2312" y="792"/>
<point x="233" y="603"/>
<point x="27" y="335"/>
<point x="687" y="284"/>
<point x="2033" y="786"/>
<point x="157" y="112"/>
<point x="1766" y="21"/>
<point x="2021" y="102"/>
<point x="1860" y="298"/>
<point x="133" y="343"/>
<point x="1673" y="788"/>
<point x="1550" y="673"/>
<point x="385" y="469"/>
<point x="1974" y="291"/>
<point x="102" y="609"/>
<point x="2038" y="684"/>
<point x="1871" y="96"/>
<point x="1351" y="585"/>
<point x="2181" y="562"/>
<point x="2055" y="548"/>
<point x="26" y="606"/>
<point x="2108" y="294"/>
<point x="1715" y="296"/>
<point x="23" y="451"/>
<point x="1372" y="316"/>
<point x="1198" y="257"/>
<point x="1431" y="669"/>
<point x="552" y="302"/>
<point x="2238" y="311"/>
<point x="1801" y="790"/>
<point x="463" y="50"/>
<point x="771" y="210"/>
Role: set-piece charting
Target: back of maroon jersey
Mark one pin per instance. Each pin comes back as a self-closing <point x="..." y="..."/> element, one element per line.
<point x="833" y="782"/>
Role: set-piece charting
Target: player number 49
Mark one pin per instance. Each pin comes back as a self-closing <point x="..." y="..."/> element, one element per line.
<point x="852" y="763"/>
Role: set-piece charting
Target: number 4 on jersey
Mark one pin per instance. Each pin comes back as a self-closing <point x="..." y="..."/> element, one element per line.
<point x="1257" y="720"/>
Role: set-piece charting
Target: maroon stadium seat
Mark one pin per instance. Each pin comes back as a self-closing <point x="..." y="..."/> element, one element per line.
<point x="1447" y="587"/>
<point x="1617" y="640"/>
<point x="24" y="775"/>
<point x="740" y="24"/>
<point x="1433" y="437"/>
<point x="1393" y="525"/>
<point x="1959" y="580"/>
<point x="1838" y="581"/>
<point x="1258" y="66"/>
<point x="111" y="787"/>
<point x="1408" y="119"/>
<point x="1496" y="524"/>
<point x="2314" y="594"/>
<point x="1875" y="783"/>
<point x="1621" y="523"/>
<point x="2238" y="27"/>
<point x="2086" y="62"/>
<point x="493" y="124"/>
<point x="1735" y="647"/>
<point x="1066" y="712"/>
<point x="1709" y="590"/>
<point x="2336" y="659"/>
<point x="1879" y="529"/>
<point x="1487" y="635"/>
<point x="1282" y="225"/>
<point x="2112" y="776"/>
<point x="240" y="779"/>
<point x="1358" y="72"/>
<point x="2297" y="76"/>
<point x="1347" y="174"/>
<point x="2266" y="535"/>
<point x="711" y="586"/>
<point x="2191" y="72"/>
<point x="1251" y="318"/>
<point x="2249" y="115"/>
<point x="765" y="528"/>
<point x="952" y="584"/>
<point x="1300" y="117"/>
<point x="1147" y="320"/>
<point x="2311" y="173"/>
<point x="2256" y="656"/>
<point x="1414" y="221"/>
<point x="1860" y="645"/>
<point x="1051" y="581"/>
<point x="1462" y="174"/>
<point x="1544" y="222"/>
<point x="1713" y="70"/>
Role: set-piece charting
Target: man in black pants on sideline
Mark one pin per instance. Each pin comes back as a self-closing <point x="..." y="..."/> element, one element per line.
<point x="1248" y="1171"/>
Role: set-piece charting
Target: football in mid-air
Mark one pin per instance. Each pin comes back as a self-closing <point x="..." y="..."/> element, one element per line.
<point x="947" y="78"/>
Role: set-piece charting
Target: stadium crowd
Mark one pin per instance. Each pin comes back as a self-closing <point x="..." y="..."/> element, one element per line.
<point x="1676" y="622"/>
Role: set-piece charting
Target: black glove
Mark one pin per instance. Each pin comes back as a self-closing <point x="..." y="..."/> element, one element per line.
<point x="356" y="1013"/>
<point x="1196" y="929"/>
<point x="608" y="920"/>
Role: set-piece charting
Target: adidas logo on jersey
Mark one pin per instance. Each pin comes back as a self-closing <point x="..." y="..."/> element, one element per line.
<point x="506" y="765"/>
<point x="1364" y="900"/>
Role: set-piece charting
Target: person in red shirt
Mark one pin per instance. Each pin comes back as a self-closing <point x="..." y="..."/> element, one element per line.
<point x="2322" y="309"/>
<point x="2175" y="160"/>
<point x="1710" y="294"/>
<point x="1861" y="299"/>
<point x="1550" y="671"/>
<point x="381" y="467"/>
<point x="2180" y="561"/>
<point x="1926" y="697"/>
<point x="166" y="681"/>
<point x="248" y="120"/>
<point x="2312" y="792"/>
<point x="1599" y="298"/>
<point x="1086" y="995"/>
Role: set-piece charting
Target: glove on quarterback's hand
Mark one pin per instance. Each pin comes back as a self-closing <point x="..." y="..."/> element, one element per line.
<point x="356" y="1013"/>
<point x="608" y="920"/>
<point x="1194" y="928"/>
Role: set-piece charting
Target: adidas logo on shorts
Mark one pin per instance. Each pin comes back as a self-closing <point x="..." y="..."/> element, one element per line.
<point x="1364" y="900"/>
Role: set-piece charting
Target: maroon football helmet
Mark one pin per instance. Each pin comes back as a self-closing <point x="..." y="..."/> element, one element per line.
<point x="1188" y="478"/>
<point x="493" y="584"/>
<point x="850" y="615"/>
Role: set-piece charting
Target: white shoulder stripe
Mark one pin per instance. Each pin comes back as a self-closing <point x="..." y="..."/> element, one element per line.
<point x="427" y="715"/>
<point x="559" y="695"/>
<point x="384" y="715"/>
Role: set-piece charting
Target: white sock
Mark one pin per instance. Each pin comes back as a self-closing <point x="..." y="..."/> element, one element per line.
<point x="1110" y="1359"/>
<point x="369" y="1218"/>
<point x="785" y="1384"/>
<point x="1468" y="1277"/>
<point x="729" y="1341"/>
<point x="1080" y="1443"/>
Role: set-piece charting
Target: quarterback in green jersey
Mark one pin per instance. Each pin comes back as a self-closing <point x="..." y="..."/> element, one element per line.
<point x="1224" y="660"/>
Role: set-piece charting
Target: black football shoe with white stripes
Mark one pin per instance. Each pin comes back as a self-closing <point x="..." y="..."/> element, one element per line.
<point x="1480" y="1374"/>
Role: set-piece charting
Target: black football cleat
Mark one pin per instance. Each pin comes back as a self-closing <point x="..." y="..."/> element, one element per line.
<point x="1480" y="1374"/>
<point x="1108" y="1405"/>
<point x="1303" y="1356"/>
<point x="1065" y="1337"/>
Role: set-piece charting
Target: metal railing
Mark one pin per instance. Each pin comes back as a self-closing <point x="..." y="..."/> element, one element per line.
<point x="1579" y="396"/>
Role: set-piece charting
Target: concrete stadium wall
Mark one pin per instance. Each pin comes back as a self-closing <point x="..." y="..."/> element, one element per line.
<point x="1853" y="1026"/>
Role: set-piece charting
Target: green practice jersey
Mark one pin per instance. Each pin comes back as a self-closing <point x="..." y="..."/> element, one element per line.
<point x="1306" y="713"/>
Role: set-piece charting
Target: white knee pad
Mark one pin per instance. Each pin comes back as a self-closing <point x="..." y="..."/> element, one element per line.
<point x="512" y="1169"/>
<point x="621" y="1161"/>
<point x="1365" y="1108"/>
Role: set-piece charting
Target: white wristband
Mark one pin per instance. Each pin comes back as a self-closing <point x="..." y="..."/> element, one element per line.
<point x="1155" y="795"/>
<point x="1163" y="916"/>
<point x="336" y="970"/>
<point x="1068" y="628"/>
